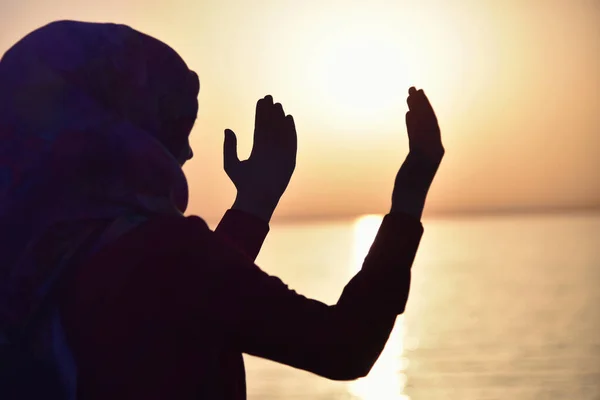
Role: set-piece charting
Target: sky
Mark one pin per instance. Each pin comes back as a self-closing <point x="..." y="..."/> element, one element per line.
<point x="515" y="85"/>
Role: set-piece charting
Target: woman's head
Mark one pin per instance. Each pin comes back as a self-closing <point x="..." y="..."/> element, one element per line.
<point x="130" y="75"/>
<point x="97" y="106"/>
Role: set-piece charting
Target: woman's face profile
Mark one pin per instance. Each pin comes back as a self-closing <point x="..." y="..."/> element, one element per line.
<point x="183" y="124"/>
<point x="186" y="154"/>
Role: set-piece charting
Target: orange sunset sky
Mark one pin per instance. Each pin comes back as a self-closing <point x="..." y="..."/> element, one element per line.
<point x="515" y="84"/>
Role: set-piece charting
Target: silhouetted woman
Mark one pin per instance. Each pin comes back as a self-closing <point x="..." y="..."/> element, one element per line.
<point x="107" y="283"/>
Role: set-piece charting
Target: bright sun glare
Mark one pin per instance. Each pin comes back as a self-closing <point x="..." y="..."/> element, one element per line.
<point x="362" y="71"/>
<point x="361" y="78"/>
<point x="362" y="74"/>
<point x="386" y="380"/>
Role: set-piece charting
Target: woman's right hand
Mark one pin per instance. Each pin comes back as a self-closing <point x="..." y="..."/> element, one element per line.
<point x="423" y="130"/>
<point x="426" y="153"/>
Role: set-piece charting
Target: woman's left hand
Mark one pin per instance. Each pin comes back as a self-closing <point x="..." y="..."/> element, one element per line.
<point x="262" y="179"/>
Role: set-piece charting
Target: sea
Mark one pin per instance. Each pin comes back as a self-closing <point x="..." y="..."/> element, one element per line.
<point x="501" y="307"/>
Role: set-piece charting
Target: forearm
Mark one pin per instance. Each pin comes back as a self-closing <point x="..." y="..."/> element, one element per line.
<point x="329" y="341"/>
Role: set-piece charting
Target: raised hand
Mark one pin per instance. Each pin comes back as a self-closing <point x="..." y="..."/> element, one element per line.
<point x="422" y="126"/>
<point x="426" y="152"/>
<point x="262" y="179"/>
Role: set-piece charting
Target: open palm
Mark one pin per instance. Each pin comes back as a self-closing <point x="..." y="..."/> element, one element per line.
<point x="265" y="175"/>
<point x="422" y="125"/>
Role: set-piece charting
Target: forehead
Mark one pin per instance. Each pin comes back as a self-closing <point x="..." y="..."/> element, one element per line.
<point x="165" y="68"/>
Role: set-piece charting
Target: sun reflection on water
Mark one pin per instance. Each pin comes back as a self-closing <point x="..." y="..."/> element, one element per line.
<point x="387" y="379"/>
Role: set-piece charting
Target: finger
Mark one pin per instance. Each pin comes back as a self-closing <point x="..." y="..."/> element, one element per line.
<point x="410" y="122"/>
<point x="278" y="122"/>
<point x="419" y="104"/>
<point x="290" y="130"/>
<point x="278" y="111"/>
<point x="194" y="83"/>
<point x="270" y="114"/>
<point x="426" y="114"/>
<point x="273" y="122"/>
<point x="230" y="156"/>
<point x="263" y="119"/>
<point x="268" y="109"/>
<point x="289" y="120"/>
<point x="261" y="114"/>
<point x="424" y="100"/>
<point x="420" y="98"/>
<point x="263" y="109"/>
<point x="411" y="100"/>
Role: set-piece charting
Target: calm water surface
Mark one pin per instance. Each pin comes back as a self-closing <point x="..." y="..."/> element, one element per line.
<point x="500" y="308"/>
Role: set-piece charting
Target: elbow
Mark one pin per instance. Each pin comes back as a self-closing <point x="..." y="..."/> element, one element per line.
<point x="348" y="373"/>
<point x="353" y="350"/>
<point x="348" y="366"/>
<point x="362" y="370"/>
<point x="356" y="372"/>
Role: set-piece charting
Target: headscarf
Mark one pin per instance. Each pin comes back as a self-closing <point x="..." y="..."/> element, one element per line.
<point x="93" y="118"/>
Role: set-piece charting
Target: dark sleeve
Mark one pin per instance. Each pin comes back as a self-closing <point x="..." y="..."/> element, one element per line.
<point x="243" y="231"/>
<point x="342" y="342"/>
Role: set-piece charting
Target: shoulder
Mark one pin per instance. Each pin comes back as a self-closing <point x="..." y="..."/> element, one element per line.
<point x="184" y="242"/>
<point x="159" y="234"/>
<point x="164" y="230"/>
<point x="159" y="241"/>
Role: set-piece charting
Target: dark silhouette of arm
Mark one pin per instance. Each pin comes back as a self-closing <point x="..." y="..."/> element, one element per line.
<point x="264" y="318"/>
<point x="244" y="231"/>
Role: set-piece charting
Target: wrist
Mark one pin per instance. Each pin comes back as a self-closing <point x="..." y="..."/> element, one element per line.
<point x="416" y="173"/>
<point x="261" y="208"/>
<point x="425" y="163"/>
<point x="409" y="202"/>
<point x="430" y="156"/>
<point x="413" y="182"/>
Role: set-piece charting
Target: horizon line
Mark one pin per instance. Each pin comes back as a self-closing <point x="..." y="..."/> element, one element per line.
<point x="449" y="214"/>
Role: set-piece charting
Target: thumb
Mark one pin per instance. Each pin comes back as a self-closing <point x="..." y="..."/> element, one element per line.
<point x="230" y="156"/>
